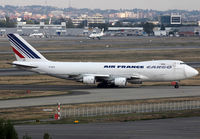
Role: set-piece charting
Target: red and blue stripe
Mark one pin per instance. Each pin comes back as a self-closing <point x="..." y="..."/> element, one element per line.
<point x="22" y="47"/>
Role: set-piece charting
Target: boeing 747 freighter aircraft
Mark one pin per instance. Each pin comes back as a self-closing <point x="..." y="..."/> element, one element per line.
<point x="106" y="74"/>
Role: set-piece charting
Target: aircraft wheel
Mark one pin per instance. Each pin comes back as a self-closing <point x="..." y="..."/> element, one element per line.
<point x="105" y="85"/>
<point x="112" y="86"/>
<point x="176" y="86"/>
<point x="101" y="85"/>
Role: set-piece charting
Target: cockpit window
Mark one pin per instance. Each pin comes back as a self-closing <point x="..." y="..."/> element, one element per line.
<point x="182" y="63"/>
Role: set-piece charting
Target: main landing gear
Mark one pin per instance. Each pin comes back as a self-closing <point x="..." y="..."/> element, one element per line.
<point x="105" y="85"/>
<point x="175" y="84"/>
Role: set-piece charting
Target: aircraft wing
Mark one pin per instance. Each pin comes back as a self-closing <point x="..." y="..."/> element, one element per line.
<point x="97" y="77"/>
<point x="22" y="65"/>
<point x="101" y="77"/>
<point x="135" y="77"/>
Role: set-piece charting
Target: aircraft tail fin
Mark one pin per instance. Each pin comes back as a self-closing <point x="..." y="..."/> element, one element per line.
<point x="102" y="31"/>
<point x="23" y="50"/>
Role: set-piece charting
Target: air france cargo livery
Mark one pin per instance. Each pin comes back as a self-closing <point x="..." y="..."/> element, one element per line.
<point x="105" y="74"/>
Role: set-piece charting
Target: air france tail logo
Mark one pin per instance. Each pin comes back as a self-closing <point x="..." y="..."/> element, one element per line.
<point x="21" y="49"/>
<point x="17" y="53"/>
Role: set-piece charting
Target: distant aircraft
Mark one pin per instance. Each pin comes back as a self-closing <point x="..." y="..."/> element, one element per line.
<point x="97" y="35"/>
<point x="106" y="74"/>
<point x="37" y="35"/>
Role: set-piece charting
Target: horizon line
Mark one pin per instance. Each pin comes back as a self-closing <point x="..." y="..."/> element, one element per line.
<point x="100" y="8"/>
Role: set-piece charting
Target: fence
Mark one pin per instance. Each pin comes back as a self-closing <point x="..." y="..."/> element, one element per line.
<point x="132" y="108"/>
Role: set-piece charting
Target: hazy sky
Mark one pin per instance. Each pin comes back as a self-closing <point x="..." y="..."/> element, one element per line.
<point x="112" y="4"/>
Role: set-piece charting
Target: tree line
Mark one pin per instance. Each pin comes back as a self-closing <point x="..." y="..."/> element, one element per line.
<point x="7" y="23"/>
<point x="7" y="131"/>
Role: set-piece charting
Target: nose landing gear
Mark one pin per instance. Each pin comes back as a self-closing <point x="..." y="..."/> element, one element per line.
<point x="175" y="84"/>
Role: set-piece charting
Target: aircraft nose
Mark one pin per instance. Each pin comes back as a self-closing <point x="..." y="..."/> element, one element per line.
<point x="191" y="72"/>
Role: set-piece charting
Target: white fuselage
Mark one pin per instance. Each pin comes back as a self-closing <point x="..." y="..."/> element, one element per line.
<point x="161" y="70"/>
<point x="96" y="35"/>
<point x="37" y="35"/>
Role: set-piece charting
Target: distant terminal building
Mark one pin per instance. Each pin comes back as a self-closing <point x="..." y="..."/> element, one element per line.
<point x="126" y="31"/>
<point x="98" y="19"/>
<point x="176" y="19"/>
<point x="165" y="20"/>
<point x="47" y="29"/>
<point x="42" y="25"/>
<point x="173" y="19"/>
<point x="189" y="31"/>
<point x="190" y="23"/>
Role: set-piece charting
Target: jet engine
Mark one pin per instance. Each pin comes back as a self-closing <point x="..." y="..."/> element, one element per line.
<point x="120" y="81"/>
<point x="89" y="80"/>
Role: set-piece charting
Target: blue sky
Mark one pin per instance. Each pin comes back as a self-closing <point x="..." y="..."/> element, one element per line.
<point x="112" y="4"/>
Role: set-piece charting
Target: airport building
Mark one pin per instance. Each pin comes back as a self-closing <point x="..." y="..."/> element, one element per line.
<point x="46" y="29"/>
<point x="173" y="19"/>
<point x="42" y="25"/>
<point x="47" y="33"/>
<point x="165" y="20"/>
<point x="125" y="31"/>
<point x="98" y="19"/>
<point x="176" y="19"/>
<point x="189" y="31"/>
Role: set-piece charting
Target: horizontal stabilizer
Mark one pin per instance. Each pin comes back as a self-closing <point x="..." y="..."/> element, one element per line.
<point x="22" y="65"/>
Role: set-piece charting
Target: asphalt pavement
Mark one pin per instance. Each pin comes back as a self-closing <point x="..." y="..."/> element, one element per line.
<point x="90" y="94"/>
<point x="177" y="128"/>
<point x="113" y="49"/>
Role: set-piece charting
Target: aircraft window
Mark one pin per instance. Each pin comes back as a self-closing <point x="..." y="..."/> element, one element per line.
<point x="182" y="63"/>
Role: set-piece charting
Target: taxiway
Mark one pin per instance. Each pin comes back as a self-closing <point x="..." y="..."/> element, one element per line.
<point x="179" y="128"/>
<point x="90" y="94"/>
